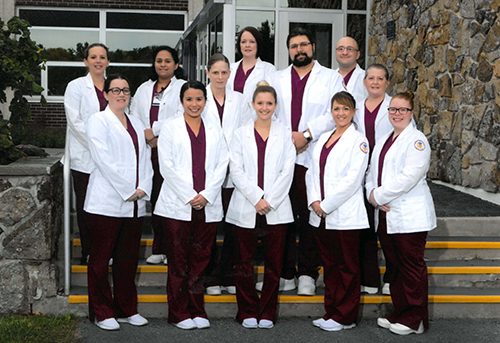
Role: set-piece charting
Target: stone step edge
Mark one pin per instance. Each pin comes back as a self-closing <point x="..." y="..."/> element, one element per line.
<point x="260" y="269"/>
<point x="429" y="245"/>
<point x="316" y="299"/>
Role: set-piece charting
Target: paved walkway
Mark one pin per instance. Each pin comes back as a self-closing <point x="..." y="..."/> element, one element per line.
<point x="292" y="330"/>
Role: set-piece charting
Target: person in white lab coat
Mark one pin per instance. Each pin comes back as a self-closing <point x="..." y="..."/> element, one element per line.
<point x="82" y="99"/>
<point x="193" y="162"/>
<point x="372" y="120"/>
<point x="154" y="101"/>
<point x="119" y="185"/>
<point x="262" y="159"/>
<point x="225" y="107"/>
<point x="338" y="214"/>
<point x="396" y="186"/>
<point x="250" y="70"/>
<point x="304" y="91"/>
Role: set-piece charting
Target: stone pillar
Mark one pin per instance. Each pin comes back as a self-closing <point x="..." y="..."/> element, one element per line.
<point x="31" y="220"/>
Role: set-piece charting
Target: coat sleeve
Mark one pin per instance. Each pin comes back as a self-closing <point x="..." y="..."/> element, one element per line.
<point x="416" y="164"/>
<point x="321" y="124"/>
<point x="104" y="159"/>
<point x="250" y="190"/>
<point x="146" y="168"/>
<point x="281" y="186"/>
<point x="72" y="101"/>
<point x="350" y="183"/>
<point x="158" y="125"/>
<point x="213" y="185"/>
<point x="136" y="107"/>
<point x="313" y="192"/>
<point x="174" y="181"/>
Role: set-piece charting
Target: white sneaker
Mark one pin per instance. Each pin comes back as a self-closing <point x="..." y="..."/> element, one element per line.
<point x="136" y="320"/>
<point x="404" y="330"/>
<point x="265" y="324"/>
<point x="250" y="323"/>
<point x="165" y="262"/>
<point x="318" y="322"/>
<point x="109" y="324"/>
<point x="186" y="324"/>
<point x="369" y="290"/>
<point x="110" y="262"/>
<point x="201" y="323"/>
<point x="229" y="289"/>
<point x="307" y="285"/>
<point x="285" y="285"/>
<point x="156" y="259"/>
<point x="214" y="290"/>
<point x="383" y="323"/>
<point x="386" y="289"/>
<point x="332" y="325"/>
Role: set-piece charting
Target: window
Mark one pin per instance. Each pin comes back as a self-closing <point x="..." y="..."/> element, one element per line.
<point x="130" y="35"/>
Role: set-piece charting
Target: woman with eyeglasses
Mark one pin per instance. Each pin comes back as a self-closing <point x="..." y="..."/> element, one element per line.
<point x="334" y="183"/>
<point x="154" y="101"/>
<point x="83" y="98"/>
<point x="373" y="121"/>
<point x="119" y="185"/>
<point x="250" y="70"/>
<point x="396" y="186"/>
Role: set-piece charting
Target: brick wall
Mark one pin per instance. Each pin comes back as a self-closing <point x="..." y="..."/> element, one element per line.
<point x="50" y="116"/>
<point x="177" y="5"/>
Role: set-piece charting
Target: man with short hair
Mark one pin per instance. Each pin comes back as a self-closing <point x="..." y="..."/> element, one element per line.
<point x="304" y="89"/>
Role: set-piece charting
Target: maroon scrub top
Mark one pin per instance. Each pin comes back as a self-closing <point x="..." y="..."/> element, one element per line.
<point x="387" y="145"/>
<point x="261" y="154"/>
<point x="348" y="77"/>
<point x="102" y="101"/>
<point x="298" y="87"/>
<point x="220" y="108"/>
<point x="370" y="118"/>
<point x="322" y="163"/>
<point x="198" y="154"/>
<point x="241" y="78"/>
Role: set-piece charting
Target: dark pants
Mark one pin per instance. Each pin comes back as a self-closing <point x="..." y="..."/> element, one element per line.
<point x="409" y="281"/>
<point x="189" y="245"/>
<point x="159" y="244"/>
<point x="80" y="183"/>
<point x="368" y="248"/>
<point x="273" y="240"/>
<point x="220" y="270"/>
<point x="339" y="252"/>
<point x="119" y="238"/>
<point x="309" y="259"/>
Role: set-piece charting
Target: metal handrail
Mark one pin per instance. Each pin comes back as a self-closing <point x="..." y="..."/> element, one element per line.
<point x="67" y="213"/>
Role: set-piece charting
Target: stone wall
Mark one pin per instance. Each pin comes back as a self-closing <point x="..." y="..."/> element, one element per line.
<point x="31" y="221"/>
<point x="448" y="53"/>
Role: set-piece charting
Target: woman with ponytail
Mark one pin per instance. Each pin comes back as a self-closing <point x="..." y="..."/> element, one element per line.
<point x="156" y="100"/>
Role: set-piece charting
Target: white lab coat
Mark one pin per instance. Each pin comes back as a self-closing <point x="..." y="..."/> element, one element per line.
<point x="232" y="117"/>
<point x="343" y="182"/>
<point x="170" y="103"/>
<point x="174" y="153"/>
<point x="113" y="179"/>
<point x="80" y="103"/>
<point x="382" y="123"/>
<point x="261" y="72"/>
<point x="355" y="86"/>
<point x="316" y="102"/>
<point x="279" y="164"/>
<point x="404" y="186"/>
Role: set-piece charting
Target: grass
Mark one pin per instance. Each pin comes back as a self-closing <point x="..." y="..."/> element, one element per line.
<point x="39" y="328"/>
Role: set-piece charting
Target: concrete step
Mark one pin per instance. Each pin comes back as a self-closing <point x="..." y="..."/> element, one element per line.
<point x="444" y="302"/>
<point x="474" y="274"/>
<point x="437" y="248"/>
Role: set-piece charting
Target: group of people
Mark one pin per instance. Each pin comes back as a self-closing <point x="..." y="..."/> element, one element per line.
<point x="310" y="152"/>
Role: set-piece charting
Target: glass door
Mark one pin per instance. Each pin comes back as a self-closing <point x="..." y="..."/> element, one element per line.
<point x="327" y="29"/>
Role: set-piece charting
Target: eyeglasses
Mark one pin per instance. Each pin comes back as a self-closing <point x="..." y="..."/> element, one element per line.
<point x="402" y="110"/>
<point x="303" y="45"/>
<point x="116" y="91"/>
<point x="349" y="49"/>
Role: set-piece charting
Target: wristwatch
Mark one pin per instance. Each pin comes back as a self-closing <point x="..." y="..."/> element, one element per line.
<point x="307" y="136"/>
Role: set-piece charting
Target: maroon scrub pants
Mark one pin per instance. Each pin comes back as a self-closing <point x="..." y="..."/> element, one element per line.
<point x="119" y="238"/>
<point x="273" y="240"/>
<point x="80" y="184"/>
<point x="159" y="244"/>
<point x="339" y="251"/>
<point x="409" y="281"/>
<point x="189" y="245"/>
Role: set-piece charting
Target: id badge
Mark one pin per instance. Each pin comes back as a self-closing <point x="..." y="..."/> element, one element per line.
<point x="156" y="101"/>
